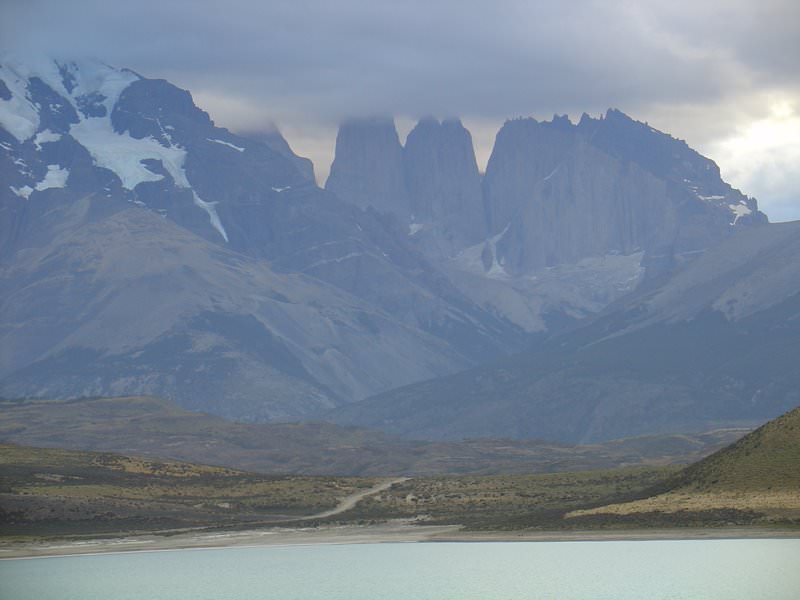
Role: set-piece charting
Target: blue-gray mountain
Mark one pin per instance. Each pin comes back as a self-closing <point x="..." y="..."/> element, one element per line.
<point x="566" y="219"/>
<point x="145" y="250"/>
<point x="714" y="345"/>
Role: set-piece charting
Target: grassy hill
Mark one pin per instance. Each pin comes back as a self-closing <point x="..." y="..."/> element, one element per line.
<point x="766" y="459"/>
<point x="756" y="479"/>
<point x="151" y="427"/>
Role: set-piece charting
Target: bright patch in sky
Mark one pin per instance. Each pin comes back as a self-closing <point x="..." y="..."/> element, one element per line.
<point x="762" y="158"/>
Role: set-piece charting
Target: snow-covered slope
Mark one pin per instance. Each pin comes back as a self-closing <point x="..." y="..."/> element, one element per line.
<point x="80" y="101"/>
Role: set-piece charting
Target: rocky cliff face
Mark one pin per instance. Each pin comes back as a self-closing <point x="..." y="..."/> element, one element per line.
<point x="587" y="204"/>
<point x="368" y="168"/>
<point x="606" y="186"/>
<point x="573" y="216"/>
<point x="432" y="185"/>
<point x="272" y="137"/>
<point x="444" y="187"/>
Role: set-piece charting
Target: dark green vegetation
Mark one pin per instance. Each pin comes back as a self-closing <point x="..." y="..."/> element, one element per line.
<point x="61" y="492"/>
<point x="149" y="427"/>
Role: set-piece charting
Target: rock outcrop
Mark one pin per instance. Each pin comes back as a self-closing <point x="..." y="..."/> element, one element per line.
<point x="559" y="193"/>
<point x="272" y="137"/>
<point x="567" y="218"/>
<point x="444" y="187"/>
<point x="368" y="168"/>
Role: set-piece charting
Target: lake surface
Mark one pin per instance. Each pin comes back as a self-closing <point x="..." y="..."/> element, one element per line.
<point x="654" y="570"/>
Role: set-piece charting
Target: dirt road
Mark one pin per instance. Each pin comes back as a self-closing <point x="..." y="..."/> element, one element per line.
<point x="350" y="501"/>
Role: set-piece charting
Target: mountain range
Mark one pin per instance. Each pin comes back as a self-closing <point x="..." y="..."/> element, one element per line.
<point x="146" y="250"/>
<point x="599" y="280"/>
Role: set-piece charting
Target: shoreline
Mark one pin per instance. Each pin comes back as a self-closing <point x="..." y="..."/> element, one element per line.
<point x="392" y="532"/>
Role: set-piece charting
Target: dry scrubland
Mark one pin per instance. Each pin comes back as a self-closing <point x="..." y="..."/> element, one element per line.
<point x="505" y="502"/>
<point x="53" y="492"/>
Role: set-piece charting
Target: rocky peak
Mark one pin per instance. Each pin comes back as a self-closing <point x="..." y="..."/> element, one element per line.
<point x="368" y="166"/>
<point x="444" y="184"/>
<point x="147" y="107"/>
<point x="526" y="153"/>
<point x="693" y="176"/>
<point x="273" y="138"/>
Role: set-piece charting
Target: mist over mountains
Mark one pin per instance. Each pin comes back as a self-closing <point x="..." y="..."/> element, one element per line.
<point x="143" y="250"/>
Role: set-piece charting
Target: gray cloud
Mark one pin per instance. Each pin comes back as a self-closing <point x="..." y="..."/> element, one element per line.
<point x="307" y="64"/>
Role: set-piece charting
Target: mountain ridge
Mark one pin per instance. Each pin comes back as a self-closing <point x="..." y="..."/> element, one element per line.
<point x="645" y="366"/>
<point x="133" y="157"/>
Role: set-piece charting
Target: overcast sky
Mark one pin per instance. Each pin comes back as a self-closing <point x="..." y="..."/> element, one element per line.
<point x="721" y="74"/>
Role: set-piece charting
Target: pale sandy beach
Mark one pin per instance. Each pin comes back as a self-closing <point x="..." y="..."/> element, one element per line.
<point x="392" y="532"/>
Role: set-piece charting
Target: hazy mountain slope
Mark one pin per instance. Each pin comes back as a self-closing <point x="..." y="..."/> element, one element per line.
<point x="714" y="345"/>
<point x="152" y="427"/>
<point x="131" y="303"/>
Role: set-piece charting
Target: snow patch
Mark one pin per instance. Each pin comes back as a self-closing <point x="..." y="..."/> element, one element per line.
<point x="120" y="153"/>
<point x="18" y="115"/>
<point x="23" y="192"/>
<point x="496" y="271"/>
<point x="123" y="154"/>
<point x="94" y="76"/>
<point x="224" y="143"/>
<point x="281" y="189"/>
<point x="334" y="260"/>
<point x="739" y="210"/>
<point x="471" y="259"/>
<point x="209" y="207"/>
<point x="56" y="177"/>
<point x="710" y="197"/>
<point x="45" y="137"/>
<point x="415" y="228"/>
<point x="553" y="172"/>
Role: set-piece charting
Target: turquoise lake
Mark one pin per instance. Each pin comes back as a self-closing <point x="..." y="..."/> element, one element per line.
<point x="652" y="570"/>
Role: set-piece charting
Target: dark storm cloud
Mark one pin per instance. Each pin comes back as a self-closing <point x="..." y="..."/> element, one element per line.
<point x="414" y="57"/>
